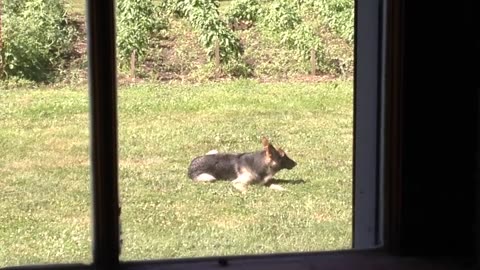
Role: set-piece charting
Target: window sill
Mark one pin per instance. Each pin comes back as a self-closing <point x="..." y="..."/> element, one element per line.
<point x="347" y="259"/>
<point x="338" y="260"/>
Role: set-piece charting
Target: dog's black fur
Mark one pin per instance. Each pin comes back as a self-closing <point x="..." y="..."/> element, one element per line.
<point x="242" y="169"/>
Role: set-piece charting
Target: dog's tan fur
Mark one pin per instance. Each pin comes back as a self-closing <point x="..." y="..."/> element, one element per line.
<point x="259" y="167"/>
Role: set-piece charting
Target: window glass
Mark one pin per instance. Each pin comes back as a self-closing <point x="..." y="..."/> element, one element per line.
<point x="44" y="163"/>
<point x="197" y="76"/>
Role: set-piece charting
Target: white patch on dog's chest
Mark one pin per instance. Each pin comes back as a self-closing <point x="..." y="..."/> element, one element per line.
<point x="270" y="173"/>
<point x="246" y="175"/>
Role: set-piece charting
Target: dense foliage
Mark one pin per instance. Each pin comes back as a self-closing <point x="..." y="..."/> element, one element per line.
<point x="37" y="37"/>
<point x="243" y="13"/>
<point x="137" y="20"/>
<point x="338" y="15"/>
<point x="253" y="38"/>
<point x="204" y="16"/>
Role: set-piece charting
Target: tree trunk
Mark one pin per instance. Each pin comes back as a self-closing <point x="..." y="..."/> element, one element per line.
<point x="217" y="54"/>
<point x="313" y="62"/>
<point x="132" y="64"/>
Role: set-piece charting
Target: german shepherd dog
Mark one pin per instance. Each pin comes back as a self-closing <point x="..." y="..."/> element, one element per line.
<point x="242" y="169"/>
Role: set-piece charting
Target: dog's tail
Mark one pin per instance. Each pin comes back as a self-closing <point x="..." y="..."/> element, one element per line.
<point x="196" y="167"/>
<point x="212" y="152"/>
<point x="191" y="169"/>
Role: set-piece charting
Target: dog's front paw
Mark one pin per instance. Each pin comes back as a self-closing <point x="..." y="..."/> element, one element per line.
<point x="277" y="187"/>
<point x="240" y="187"/>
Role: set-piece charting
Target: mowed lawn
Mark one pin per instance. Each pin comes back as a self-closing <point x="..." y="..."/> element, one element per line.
<point x="45" y="187"/>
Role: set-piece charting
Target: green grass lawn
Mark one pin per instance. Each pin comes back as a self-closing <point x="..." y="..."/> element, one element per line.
<point x="44" y="177"/>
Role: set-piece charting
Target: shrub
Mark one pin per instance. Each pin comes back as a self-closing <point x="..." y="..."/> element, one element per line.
<point x="204" y="17"/>
<point x="13" y="6"/>
<point x="244" y="12"/>
<point x="137" y="20"/>
<point x="338" y="15"/>
<point x="281" y="16"/>
<point x="230" y="48"/>
<point x="37" y="36"/>
<point x="303" y="40"/>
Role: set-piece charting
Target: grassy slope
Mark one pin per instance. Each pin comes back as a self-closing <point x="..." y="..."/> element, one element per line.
<point x="44" y="209"/>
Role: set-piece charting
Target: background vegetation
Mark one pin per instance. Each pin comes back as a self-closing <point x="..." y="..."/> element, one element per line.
<point x="37" y="39"/>
<point x="44" y="41"/>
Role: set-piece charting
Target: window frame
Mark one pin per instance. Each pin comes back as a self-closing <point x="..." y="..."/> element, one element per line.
<point x="375" y="119"/>
<point x="103" y="132"/>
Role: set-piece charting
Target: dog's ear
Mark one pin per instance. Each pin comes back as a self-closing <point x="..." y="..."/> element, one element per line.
<point x="265" y="142"/>
<point x="267" y="147"/>
<point x="281" y="152"/>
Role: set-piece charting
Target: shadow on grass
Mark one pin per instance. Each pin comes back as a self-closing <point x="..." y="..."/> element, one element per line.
<point x="286" y="181"/>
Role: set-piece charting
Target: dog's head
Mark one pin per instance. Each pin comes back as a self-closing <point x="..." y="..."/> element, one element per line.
<point x="277" y="157"/>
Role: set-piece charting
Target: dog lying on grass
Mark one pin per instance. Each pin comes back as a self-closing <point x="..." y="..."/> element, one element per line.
<point x="242" y="169"/>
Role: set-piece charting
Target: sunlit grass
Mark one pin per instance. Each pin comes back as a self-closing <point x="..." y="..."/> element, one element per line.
<point x="44" y="177"/>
